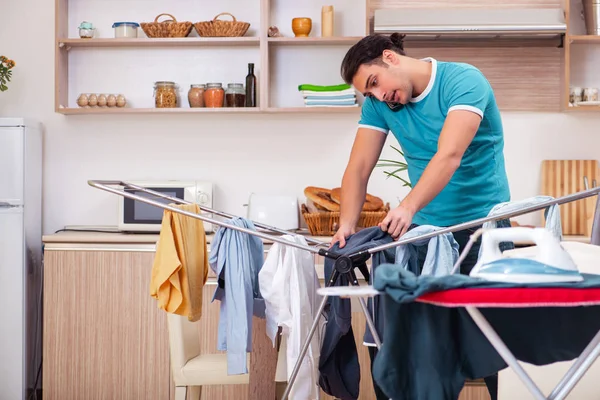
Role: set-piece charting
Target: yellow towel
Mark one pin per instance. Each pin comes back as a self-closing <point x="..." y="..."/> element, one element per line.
<point x="180" y="266"/>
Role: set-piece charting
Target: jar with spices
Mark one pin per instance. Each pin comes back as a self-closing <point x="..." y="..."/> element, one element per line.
<point x="235" y="96"/>
<point x="165" y="94"/>
<point x="214" y="95"/>
<point x="196" y="95"/>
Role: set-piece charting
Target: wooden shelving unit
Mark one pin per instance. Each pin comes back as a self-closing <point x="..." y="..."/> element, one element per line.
<point x="579" y="45"/>
<point x="255" y="39"/>
<point x="526" y="77"/>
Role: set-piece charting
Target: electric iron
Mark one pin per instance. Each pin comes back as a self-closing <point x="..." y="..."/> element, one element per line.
<point x="552" y="263"/>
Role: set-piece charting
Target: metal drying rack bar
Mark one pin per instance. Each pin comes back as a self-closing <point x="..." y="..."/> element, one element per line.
<point x="343" y="264"/>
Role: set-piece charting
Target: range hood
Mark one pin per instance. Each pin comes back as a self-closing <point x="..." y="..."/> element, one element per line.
<point x="471" y="23"/>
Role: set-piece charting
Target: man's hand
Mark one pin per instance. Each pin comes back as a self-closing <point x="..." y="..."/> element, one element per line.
<point x="341" y="235"/>
<point x="397" y="221"/>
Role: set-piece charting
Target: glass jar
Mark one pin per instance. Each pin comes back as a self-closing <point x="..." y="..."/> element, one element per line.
<point x="165" y="94"/>
<point x="214" y="95"/>
<point x="86" y="30"/>
<point x="196" y="96"/>
<point x="235" y="96"/>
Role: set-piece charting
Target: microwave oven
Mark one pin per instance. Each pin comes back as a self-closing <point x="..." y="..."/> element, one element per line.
<point x="137" y="216"/>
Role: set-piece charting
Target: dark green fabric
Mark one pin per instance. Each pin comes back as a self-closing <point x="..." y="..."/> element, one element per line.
<point x="429" y="351"/>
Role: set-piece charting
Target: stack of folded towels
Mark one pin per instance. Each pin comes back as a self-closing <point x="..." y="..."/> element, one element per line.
<point x="328" y="96"/>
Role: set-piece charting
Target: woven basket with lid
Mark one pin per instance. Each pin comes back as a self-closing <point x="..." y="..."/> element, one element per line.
<point x="166" y="28"/>
<point x="219" y="28"/>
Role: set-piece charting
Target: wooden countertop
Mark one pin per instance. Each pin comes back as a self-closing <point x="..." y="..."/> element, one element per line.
<point x="116" y="238"/>
<point x="84" y="237"/>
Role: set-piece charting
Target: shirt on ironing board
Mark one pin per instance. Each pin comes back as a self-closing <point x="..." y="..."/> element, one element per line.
<point x="480" y="181"/>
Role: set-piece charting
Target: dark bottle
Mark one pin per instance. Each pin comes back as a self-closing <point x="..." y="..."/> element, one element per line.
<point x="250" y="87"/>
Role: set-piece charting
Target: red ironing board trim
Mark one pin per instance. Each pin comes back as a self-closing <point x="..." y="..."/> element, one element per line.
<point x="513" y="297"/>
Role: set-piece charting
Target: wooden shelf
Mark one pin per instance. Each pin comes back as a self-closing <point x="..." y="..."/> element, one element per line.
<point x="332" y="110"/>
<point x="313" y="41"/>
<point x="160" y="42"/>
<point x="222" y="110"/>
<point x="584" y="39"/>
<point x="114" y="110"/>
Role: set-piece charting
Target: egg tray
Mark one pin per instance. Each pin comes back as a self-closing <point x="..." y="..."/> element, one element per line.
<point x="101" y="100"/>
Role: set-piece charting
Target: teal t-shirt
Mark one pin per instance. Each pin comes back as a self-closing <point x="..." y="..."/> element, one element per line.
<point x="480" y="182"/>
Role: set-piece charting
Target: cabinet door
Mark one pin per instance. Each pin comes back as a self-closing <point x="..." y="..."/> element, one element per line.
<point x="104" y="337"/>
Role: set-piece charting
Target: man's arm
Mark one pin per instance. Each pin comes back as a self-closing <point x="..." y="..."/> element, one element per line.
<point x="363" y="157"/>
<point x="457" y="133"/>
<point x="459" y="130"/>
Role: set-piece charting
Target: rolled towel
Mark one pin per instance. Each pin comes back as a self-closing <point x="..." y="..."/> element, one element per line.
<point x="330" y="97"/>
<point x="324" y="88"/>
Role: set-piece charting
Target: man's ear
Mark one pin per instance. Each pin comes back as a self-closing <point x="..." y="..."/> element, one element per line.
<point x="389" y="57"/>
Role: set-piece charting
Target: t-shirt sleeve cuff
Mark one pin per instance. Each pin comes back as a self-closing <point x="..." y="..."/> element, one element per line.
<point x="467" y="108"/>
<point x="376" y="128"/>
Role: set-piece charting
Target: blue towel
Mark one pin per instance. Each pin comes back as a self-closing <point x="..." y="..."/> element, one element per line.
<point x="332" y="97"/>
<point x="237" y="257"/>
<point x="442" y="251"/>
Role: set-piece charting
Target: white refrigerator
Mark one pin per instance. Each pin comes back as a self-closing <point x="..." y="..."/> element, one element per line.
<point x="20" y="257"/>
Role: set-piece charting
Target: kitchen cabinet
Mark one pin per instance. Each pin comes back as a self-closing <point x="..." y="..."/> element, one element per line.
<point x="104" y="337"/>
<point x="523" y="77"/>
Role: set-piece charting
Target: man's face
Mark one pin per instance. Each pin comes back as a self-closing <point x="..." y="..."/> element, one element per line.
<point x="386" y="82"/>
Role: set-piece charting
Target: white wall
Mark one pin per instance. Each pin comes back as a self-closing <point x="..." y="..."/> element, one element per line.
<point x="239" y="153"/>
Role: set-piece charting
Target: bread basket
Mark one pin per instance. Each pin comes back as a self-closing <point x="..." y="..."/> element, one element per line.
<point x="325" y="223"/>
<point x="168" y="28"/>
<point x="218" y="28"/>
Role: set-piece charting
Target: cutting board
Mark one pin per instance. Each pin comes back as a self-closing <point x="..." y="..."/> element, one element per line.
<point x="564" y="177"/>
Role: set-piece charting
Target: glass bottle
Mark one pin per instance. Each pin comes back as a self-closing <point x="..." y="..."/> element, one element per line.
<point x="196" y="95"/>
<point x="165" y="94"/>
<point x="214" y="95"/>
<point x="235" y="96"/>
<point x="250" y="87"/>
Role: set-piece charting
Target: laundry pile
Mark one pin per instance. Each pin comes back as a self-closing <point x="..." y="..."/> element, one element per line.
<point x="342" y="95"/>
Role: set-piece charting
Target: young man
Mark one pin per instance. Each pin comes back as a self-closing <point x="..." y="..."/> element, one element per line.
<point x="445" y="117"/>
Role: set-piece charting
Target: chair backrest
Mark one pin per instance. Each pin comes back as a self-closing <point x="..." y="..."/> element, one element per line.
<point x="595" y="235"/>
<point x="184" y="343"/>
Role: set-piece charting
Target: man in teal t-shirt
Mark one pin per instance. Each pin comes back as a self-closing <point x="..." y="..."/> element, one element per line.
<point x="445" y="117"/>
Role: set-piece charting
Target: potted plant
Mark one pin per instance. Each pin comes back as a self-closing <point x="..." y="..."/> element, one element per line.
<point x="398" y="166"/>
<point x="6" y="66"/>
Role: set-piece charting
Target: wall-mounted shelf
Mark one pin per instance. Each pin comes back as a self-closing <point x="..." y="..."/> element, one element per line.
<point x="125" y="110"/>
<point x="584" y="39"/>
<point x="313" y="41"/>
<point x="331" y="110"/>
<point x="159" y="42"/>
<point x="581" y="58"/>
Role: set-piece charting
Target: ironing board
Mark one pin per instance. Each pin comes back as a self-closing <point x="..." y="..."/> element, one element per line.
<point x="567" y="303"/>
<point x="473" y="300"/>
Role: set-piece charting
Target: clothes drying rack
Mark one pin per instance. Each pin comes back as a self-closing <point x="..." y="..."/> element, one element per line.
<point x="344" y="264"/>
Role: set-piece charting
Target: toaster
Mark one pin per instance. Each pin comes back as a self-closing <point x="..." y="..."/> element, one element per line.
<point x="279" y="211"/>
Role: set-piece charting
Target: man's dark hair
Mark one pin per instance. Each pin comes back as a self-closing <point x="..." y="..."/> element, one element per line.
<point x="369" y="50"/>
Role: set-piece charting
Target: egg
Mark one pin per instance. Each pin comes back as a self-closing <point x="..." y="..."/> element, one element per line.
<point x="121" y="101"/>
<point x="93" y="100"/>
<point x="102" y="100"/>
<point x="82" y="100"/>
<point x="111" y="100"/>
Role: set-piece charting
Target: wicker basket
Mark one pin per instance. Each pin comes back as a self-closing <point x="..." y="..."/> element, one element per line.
<point x="217" y="28"/>
<point x="168" y="28"/>
<point x="325" y="223"/>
